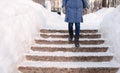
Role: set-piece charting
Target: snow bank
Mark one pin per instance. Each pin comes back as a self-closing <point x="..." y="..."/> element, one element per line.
<point x="20" y="20"/>
<point x="91" y="21"/>
<point x="96" y="17"/>
<point x="110" y="27"/>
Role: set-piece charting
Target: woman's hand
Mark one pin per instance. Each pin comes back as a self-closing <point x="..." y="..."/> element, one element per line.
<point x="85" y="11"/>
<point x="64" y="10"/>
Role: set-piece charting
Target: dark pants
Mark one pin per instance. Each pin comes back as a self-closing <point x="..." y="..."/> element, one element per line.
<point x="77" y="28"/>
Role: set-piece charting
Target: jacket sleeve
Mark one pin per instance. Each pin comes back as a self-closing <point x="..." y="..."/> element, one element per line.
<point x="85" y="3"/>
<point x="64" y="3"/>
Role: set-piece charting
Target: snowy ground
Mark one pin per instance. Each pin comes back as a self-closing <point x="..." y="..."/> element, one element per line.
<point x="20" y="20"/>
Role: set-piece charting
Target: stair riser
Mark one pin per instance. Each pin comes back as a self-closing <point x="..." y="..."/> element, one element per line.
<point x="94" y="49"/>
<point x="65" y="31"/>
<point x="70" y="59"/>
<point x="91" y="42"/>
<point x="66" y="36"/>
<point x="66" y="70"/>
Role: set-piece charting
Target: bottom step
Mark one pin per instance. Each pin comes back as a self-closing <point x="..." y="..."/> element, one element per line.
<point x="68" y="67"/>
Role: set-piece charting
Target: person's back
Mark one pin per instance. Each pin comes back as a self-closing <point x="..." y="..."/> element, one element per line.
<point x="74" y="4"/>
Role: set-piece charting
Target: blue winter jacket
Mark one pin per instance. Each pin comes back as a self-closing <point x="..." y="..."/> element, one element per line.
<point x="74" y="9"/>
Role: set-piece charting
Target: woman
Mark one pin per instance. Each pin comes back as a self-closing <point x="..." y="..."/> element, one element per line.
<point x="73" y="11"/>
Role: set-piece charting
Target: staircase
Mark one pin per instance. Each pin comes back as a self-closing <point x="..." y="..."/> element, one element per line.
<point x="52" y="53"/>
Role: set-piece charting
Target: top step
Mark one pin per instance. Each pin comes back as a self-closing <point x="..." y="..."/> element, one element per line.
<point x="66" y="31"/>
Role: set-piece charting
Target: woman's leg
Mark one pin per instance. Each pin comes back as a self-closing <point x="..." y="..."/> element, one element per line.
<point x="77" y="34"/>
<point x="70" y="29"/>
<point x="77" y="29"/>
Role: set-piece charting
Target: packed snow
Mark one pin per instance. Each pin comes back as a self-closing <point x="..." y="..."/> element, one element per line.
<point x="110" y="27"/>
<point x="70" y="64"/>
<point x="20" y="20"/>
<point x="68" y="54"/>
<point x="67" y="46"/>
<point x="97" y="17"/>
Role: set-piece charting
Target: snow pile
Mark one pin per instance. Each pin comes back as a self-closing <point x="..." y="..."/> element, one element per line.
<point x="19" y="21"/>
<point x="111" y="29"/>
<point x="91" y="21"/>
<point x="97" y="17"/>
<point x="54" y="21"/>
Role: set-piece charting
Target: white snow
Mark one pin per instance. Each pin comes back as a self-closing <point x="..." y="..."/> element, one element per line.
<point x="67" y="33"/>
<point x="66" y="39"/>
<point x="48" y="5"/>
<point x="68" y="54"/>
<point x="97" y="17"/>
<point x="110" y="27"/>
<point x="70" y="64"/>
<point x="19" y="21"/>
<point x="67" y="45"/>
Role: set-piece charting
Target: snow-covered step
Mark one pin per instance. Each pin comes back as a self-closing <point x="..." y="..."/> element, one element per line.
<point x="69" y="48"/>
<point x="66" y="31"/>
<point x="68" y="67"/>
<point x="41" y="40"/>
<point x="64" y="39"/>
<point x="57" y="33"/>
<point x="68" y="45"/>
<point x="69" y="56"/>
<point x="54" y="35"/>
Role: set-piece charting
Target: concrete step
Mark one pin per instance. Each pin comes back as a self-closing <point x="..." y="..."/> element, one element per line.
<point x="55" y="41"/>
<point x="66" y="35"/>
<point x="66" y="31"/>
<point x="69" y="56"/>
<point x="69" y="48"/>
<point x="68" y="67"/>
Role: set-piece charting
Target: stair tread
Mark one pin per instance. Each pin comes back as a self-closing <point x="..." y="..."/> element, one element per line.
<point x="64" y="31"/>
<point x="70" y="64"/>
<point x="45" y="35"/>
<point x="67" y="45"/>
<point x="68" y="54"/>
<point x="58" y="33"/>
<point x="65" y="39"/>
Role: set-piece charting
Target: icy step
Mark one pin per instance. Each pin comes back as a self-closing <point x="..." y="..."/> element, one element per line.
<point x="65" y="41"/>
<point x="67" y="45"/>
<point x="69" y="56"/>
<point x="69" y="48"/>
<point x="66" y="31"/>
<point x="58" y="35"/>
<point x="47" y="64"/>
<point x="68" y="67"/>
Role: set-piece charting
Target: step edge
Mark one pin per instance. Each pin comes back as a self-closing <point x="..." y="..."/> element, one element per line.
<point x="69" y="54"/>
<point x="70" y="64"/>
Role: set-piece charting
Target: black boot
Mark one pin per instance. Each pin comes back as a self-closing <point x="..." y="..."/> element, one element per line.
<point x="70" y="39"/>
<point x="76" y="41"/>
